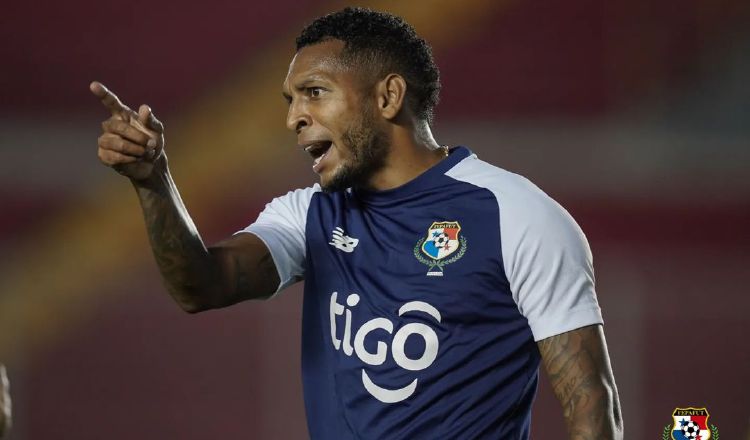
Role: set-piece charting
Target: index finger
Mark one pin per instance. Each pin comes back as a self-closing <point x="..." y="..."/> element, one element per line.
<point x="109" y="99"/>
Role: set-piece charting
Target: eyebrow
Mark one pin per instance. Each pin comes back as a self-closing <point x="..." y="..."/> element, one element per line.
<point x="306" y="83"/>
<point x="311" y="79"/>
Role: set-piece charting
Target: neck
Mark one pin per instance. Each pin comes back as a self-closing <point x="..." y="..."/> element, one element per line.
<point x="413" y="151"/>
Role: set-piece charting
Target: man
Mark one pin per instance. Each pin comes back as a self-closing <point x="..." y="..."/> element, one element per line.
<point x="435" y="283"/>
<point x="5" y="408"/>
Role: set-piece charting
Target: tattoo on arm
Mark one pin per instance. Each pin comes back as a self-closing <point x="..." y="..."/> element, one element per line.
<point x="197" y="277"/>
<point x="177" y="246"/>
<point x="579" y="370"/>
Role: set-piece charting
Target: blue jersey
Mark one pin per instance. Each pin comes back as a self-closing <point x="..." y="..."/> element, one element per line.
<point x="423" y="304"/>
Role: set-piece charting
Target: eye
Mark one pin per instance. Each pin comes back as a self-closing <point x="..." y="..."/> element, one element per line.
<point x="314" y="92"/>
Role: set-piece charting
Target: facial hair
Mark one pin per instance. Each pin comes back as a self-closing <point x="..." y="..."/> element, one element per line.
<point x="368" y="148"/>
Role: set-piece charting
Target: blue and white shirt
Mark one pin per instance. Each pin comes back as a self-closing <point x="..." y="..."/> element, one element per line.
<point x="423" y="303"/>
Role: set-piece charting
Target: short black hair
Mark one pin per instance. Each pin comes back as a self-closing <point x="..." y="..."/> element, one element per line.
<point x="385" y="43"/>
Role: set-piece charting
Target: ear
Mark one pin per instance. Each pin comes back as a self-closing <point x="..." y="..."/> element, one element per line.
<point x="391" y="92"/>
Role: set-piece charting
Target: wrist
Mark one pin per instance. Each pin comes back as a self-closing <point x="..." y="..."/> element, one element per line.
<point x="158" y="178"/>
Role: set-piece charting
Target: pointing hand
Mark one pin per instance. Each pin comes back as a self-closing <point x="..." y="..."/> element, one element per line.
<point x="131" y="143"/>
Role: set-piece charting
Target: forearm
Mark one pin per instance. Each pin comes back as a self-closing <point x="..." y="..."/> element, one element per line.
<point x="579" y="370"/>
<point x="188" y="269"/>
<point x="594" y="413"/>
<point x="197" y="277"/>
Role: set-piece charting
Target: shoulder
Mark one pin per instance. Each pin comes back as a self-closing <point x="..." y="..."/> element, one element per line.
<point x="293" y="204"/>
<point x="485" y="175"/>
<point x="517" y="197"/>
<point x="300" y="195"/>
<point x="284" y="214"/>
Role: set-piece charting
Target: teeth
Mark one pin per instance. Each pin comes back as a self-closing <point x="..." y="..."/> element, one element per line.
<point x="319" y="158"/>
<point x="312" y="147"/>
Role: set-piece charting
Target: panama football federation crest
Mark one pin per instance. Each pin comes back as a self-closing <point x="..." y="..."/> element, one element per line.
<point x="690" y="424"/>
<point x="443" y="240"/>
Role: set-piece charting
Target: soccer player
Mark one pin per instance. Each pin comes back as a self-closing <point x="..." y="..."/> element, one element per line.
<point x="436" y="284"/>
<point x="5" y="408"/>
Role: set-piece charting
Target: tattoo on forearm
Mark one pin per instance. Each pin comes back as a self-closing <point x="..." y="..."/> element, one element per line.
<point x="200" y="277"/>
<point x="175" y="241"/>
<point x="578" y="368"/>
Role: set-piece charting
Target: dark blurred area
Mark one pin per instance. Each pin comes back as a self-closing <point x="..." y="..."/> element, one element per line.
<point x="635" y="115"/>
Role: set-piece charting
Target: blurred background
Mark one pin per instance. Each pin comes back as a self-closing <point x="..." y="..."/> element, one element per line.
<point x="635" y="115"/>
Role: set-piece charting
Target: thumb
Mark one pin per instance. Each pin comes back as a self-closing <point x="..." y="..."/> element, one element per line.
<point x="147" y="118"/>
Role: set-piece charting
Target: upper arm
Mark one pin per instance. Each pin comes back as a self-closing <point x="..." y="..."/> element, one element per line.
<point x="268" y="255"/>
<point x="548" y="263"/>
<point x="549" y="267"/>
<point x="281" y="226"/>
<point x="246" y="269"/>
<point x="579" y="370"/>
<point x="545" y="256"/>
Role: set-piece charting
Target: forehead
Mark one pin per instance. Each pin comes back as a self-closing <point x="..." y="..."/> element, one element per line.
<point x="322" y="59"/>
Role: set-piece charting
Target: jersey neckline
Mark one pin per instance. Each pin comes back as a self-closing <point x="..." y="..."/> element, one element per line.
<point x="423" y="181"/>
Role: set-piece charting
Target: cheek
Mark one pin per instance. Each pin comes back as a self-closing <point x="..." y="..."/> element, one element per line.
<point x="331" y="123"/>
<point x="341" y="152"/>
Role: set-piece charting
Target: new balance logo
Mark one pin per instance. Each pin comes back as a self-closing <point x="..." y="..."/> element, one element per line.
<point x="343" y="242"/>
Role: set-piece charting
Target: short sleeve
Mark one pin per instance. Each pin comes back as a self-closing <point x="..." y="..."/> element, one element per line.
<point x="281" y="226"/>
<point x="546" y="257"/>
<point x="549" y="265"/>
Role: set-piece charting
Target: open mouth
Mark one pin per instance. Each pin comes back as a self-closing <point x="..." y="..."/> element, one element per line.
<point x="318" y="151"/>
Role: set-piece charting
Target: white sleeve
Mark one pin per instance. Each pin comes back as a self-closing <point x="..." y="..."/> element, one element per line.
<point x="281" y="226"/>
<point x="545" y="254"/>
<point x="549" y="265"/>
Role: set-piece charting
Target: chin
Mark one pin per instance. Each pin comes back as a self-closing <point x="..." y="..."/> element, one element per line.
<point x="337" y="180"/>
<point x="328" y="183"/>
<point x="328" y="186"/>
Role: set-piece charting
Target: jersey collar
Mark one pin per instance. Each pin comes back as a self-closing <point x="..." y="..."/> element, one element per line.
<point x="426" y="180"/>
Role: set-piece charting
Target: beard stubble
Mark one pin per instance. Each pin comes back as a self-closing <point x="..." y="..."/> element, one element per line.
<point x="368" y="147"/>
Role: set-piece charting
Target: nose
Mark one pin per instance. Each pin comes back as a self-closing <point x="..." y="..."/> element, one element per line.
<point x="297" y="118"/>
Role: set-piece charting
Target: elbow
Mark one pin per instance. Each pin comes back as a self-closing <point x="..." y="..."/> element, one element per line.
<point x="192" y="308"/>
<point x="613" y="408"/>
<point x="601" y="418"/>
<point x="189" y="300"/>
<point x="617" y="422"/>
<point x="193" y="304"/>
<point x="611" y="411"/>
